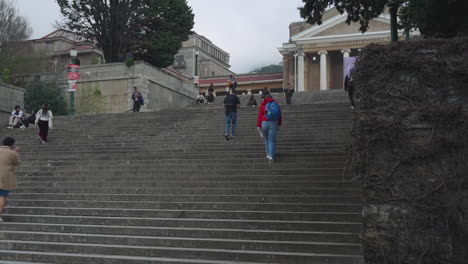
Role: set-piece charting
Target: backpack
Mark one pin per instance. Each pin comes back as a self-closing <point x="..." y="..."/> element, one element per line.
<point x="272" y="111"/>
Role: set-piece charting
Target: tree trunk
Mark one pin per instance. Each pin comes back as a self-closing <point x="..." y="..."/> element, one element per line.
<point x="394" y="23"/>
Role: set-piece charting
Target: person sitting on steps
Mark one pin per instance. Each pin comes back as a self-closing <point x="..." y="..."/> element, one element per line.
<point x="200" y="98"/>
<point x="16" y="118"/>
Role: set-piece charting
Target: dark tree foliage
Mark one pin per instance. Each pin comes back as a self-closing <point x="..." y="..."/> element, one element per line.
<point x="361" y="11"/>
<point x="434" y="18"/>
<point x="152" y="30"/>
<point x="167" y="24"/>
<point x="440" y="18"/>
<point x="39" y="93"/>
<point x="273" y="68"/>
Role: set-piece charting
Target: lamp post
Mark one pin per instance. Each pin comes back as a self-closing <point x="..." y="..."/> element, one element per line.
<point x="73" y="61"/>
<point x="196" y="76"/>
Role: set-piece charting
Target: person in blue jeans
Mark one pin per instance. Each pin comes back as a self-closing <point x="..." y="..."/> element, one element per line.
<point x="268" y="128"/>
<point x="231" y="103"/>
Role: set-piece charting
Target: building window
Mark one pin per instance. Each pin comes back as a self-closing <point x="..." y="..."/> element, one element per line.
<point x="212" y="73"/>
<point x="179" y="61"/>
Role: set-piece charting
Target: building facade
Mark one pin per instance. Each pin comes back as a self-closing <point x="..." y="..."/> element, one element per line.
<point x="212" y="60"/>
<point x="314" y="56"/>
<point x="246" y="83"/>
<point x="51" y="53"/>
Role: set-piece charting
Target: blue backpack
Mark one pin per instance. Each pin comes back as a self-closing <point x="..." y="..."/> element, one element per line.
<point x="272" y="111"/>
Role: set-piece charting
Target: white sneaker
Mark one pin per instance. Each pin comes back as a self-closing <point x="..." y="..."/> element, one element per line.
<point x="10" y="127"/>
<point x="22" y="126"/>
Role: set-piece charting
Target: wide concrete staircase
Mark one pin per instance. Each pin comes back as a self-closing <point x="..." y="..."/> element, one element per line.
<point x="166" y="187"/>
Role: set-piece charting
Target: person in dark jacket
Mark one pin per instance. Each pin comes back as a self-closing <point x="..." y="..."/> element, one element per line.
<point x="137" y="99"/>
<point x="252" y="102"/>
<point x="268" y="128"/>
<point x="288" y="93"/>
<point x="30" y="120"/>
<point x="231" y="103"/>
<point x="349" y="87"/>
<point x="265" y="92"/>
<point x="211" y="96"/>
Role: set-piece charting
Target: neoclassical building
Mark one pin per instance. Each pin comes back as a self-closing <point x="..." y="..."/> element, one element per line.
<point x="313" y="57"/>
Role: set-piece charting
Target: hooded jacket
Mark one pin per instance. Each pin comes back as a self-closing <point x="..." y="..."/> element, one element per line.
<point x="8" y="161"/>
<point x="261" y="112"/>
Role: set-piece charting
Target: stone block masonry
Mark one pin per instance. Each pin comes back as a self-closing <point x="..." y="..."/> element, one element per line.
<point x="10" y="96"/>
<point x="160" y="89"/>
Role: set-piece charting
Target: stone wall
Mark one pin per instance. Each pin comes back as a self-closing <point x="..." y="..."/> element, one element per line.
<point x="410" y="154"/>
<point x="161" y="89"/>
<point x="10" y="96"/>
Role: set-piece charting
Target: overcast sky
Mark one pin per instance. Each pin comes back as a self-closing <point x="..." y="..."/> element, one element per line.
<point x="249" y="30"/>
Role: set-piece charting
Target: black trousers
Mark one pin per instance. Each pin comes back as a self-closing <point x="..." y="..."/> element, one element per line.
<point x="136" y="106"/>
<point x="288" y="99"/>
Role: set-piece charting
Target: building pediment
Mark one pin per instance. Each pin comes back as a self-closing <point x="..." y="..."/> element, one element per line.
<point x="337" y="26"/>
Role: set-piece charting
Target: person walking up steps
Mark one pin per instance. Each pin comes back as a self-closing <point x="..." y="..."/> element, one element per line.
<point x="288" y="92"/>
<point x="269" y="120"/>
<point x="44" y="121"/>
<point x="231" y="103"/>
<point x="9" y="159"/>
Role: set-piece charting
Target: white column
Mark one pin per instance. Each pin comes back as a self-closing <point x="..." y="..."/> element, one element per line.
<point x="295" y="71"/>
<point x="300" y="72"/>
<point x="346" y="53"/>
<point x="323" y="70"/>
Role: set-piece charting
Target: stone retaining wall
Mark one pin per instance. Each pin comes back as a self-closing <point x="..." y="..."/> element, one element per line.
<point x="10" y="96"/>
<point x="160" y="88"/>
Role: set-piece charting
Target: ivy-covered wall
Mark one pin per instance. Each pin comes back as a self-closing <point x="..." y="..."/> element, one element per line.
<point x="409" y="153"/>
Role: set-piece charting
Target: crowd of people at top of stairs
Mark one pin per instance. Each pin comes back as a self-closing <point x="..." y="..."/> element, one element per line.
<point x="42" y="119"/>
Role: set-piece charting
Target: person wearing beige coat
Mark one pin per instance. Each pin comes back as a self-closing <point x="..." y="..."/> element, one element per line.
<point x="9" y="159"/>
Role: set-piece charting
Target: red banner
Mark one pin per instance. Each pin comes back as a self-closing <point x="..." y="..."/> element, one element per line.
<point x="73" y="72"/>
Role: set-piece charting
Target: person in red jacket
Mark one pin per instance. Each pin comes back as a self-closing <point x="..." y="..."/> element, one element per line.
<point x="269" y="120"/>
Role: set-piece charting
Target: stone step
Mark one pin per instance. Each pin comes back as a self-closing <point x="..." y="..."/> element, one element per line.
<point x="197" y="191"/>
<point x="163" y="198"/>
<point x="228" y="233"/>
<point x="278" y="179"/>
<point x="184" y="242"/>
<point x="136" y="163"/>
<point x="74" y="258"/>
<point x="53" y="166"/>
<point x="189" y="156"/>
<point x="250" y="224"/>
<point x="293" y="207"/>
<point x="188" y="184"/>
<point x="190" y="171"/>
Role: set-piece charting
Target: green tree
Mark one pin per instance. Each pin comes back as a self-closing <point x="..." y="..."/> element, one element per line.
<point x="90" y="101"/>
<point x="39" y="93"/>
<point x="361" y="11"/>
<point x="439" y="18"/>
<point x="152" y="30"/>
<point x="13" y="28"/>
<point x="6" y="75"/>
<point x="273" y="68"/>
<point x="434" y="18"/>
